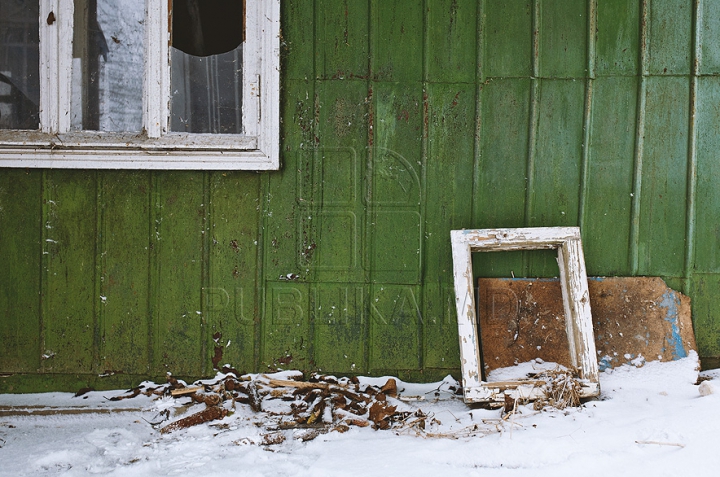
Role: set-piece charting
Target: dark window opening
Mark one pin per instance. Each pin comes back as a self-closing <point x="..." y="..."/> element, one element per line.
<point x="207" y="27"/>
<point x="207" y="57"/>
<point x="19" y="64"/>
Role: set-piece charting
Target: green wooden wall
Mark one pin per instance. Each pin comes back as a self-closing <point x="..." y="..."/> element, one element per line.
<point x="401" y="120"/>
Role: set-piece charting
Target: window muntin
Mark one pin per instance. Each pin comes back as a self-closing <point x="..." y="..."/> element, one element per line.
<point x="249" y="140"/>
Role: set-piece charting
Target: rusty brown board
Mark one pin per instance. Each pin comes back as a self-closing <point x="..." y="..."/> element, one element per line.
<point x="634" y="318"/>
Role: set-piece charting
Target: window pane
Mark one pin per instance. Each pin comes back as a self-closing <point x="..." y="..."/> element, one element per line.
<point x="19" y="64"/>
<point x="206" y="74"/>
<point x="107" y="85"/>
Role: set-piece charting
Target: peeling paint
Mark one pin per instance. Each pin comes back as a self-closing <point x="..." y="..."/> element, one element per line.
<point x="670" y="302"/>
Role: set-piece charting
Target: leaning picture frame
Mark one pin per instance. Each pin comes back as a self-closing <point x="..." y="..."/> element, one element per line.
<point x="576" y="303"/>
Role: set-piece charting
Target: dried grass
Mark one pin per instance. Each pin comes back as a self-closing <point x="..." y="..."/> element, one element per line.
<point x="563" y="388"/>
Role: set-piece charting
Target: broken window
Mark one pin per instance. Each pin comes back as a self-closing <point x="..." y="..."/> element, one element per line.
<point x="19" y="64"/>
<point x="206" y="58"/>
<point x="169" y="85"/>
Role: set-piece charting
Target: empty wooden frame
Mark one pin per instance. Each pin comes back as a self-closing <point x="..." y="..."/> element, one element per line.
<point x="576" y="300"/>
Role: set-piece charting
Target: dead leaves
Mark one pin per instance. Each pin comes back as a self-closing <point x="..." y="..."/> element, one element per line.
<point x="381" y="414"/>
<point x="313" y="407"/>
<point x="286" y="406"/>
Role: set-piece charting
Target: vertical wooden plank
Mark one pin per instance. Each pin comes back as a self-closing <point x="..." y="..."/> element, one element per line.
<point x="662" y="212"/>
<point x="284" y="200"/>
<point x="123" y="273"/>
<point x="618" y="37"/>
<point x="397" y="40"/>
<point x="332" y="244"/>
<point x="705" y="311"/>
<point x="335" y="248"/>
<point x="285" y="326"/>
<point x="395" y="172"/>
<point x="20" y="253"/>
<point x="340" y="327"/>
<point x="395" y="330"/>
<point x="500" y="199"/>
<point x="451" y="128"/>
<point x="707" y="225"/>
<point x="297" y="43"/>
<point x="563" y="38"/>
<point x="503" y="153"/>
<point x="342" y="39"/>
<point x="229" y="301"/>
<point x="179" y="243"/>
<point x="450" y="159"/>
<point x="69" y="324"/>
<point x="606" y="232"/>
<point x="451" y="28"/>
<point x="507" y="38"/>
<point x="441" y="348"/>
<point x="287" y="334"/>
<point x="558" y="153"/>
<point x="670" y="37"/>
<point x="558" y="156"/>
<point x="709" y="30"/>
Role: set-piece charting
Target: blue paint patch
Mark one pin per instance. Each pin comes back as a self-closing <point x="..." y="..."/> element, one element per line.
<point x="605" y="363"/>
<point x="671" y="302"/>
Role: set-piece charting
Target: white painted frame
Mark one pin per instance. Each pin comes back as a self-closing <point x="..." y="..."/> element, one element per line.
<point x="576" y="301"/>
<point x="55" y="146"/>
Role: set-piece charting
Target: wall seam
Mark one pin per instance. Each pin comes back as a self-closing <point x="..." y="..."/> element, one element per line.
<point x="587" y="116"/>
<point x="692" y="148"/>
<point x="99" y="318"/>
<point x="636" y="194"/>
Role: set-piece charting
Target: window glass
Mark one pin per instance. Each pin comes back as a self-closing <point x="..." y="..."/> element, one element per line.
<point x="107" y="80"/>
<point x="19" y="64"/>
<point x="206" y="74"/>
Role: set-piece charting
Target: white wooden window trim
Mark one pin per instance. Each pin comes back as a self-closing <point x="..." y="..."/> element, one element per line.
<point x="157" y="69"/>
<point x="55" y="146"/>
<point x="576" y="301"/>
<point x="56" y="22"/>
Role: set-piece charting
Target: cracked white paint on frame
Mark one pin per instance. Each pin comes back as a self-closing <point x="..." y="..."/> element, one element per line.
<point x="576" y="302"/>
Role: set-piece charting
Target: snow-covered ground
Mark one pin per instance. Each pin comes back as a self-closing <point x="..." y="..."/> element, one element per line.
<point x="649" y="421"/>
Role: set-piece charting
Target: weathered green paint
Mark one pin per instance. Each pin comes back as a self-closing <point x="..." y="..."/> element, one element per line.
<point x="21" y="247"/>
<point x="70" y="329"/>
<point x="608" y="203"/>
<point x="124" y="253"/>
<point x="618" y="37"/>
<point x="400" y="122"/>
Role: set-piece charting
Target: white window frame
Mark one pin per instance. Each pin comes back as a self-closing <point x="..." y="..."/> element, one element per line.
<point x="54" y="145"/>
<point x="576" y="301"/>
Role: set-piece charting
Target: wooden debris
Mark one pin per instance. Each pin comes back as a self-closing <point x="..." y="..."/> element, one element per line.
<point x="206" y="415"/>
<point x="273" y="438"/>
<point x="305" y="408"/>
<point x="84" y="391"/>
<point x="296" y="384"/>
<point x="185" y="391"/>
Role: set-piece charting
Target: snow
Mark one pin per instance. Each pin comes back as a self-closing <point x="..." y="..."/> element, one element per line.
<point x="649" y="420"/>
<point x="524" y="370"/>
